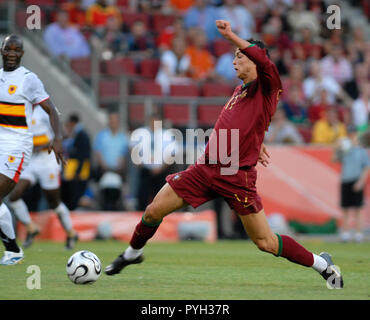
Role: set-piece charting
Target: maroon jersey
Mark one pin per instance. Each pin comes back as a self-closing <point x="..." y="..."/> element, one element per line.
<point x="248" y="112"/>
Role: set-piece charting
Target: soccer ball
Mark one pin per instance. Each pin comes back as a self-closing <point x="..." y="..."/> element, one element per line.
<point x="83" y="267"/>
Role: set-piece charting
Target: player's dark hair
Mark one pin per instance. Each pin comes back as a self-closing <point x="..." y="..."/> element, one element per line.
<point x="74" y="117"/>
<point x="260" y="44"/>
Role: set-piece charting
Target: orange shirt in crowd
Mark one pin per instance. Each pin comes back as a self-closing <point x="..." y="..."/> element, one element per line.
<point x="97" y="16"/>
<point x="201" y="62"/>
<point x="182" y="5"/>
<point x="77" y="16"/>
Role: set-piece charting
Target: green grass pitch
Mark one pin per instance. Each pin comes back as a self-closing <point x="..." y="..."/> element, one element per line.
<point x="190" y="270"/>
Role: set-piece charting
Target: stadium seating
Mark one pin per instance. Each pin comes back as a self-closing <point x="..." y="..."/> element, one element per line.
<point x="149" y="68"/>
<point x="208" y="114"/>
<point x="122" y="4"/>
<point x="136" y="113"/>
<point x="214" y="89"/>
<point x="178" y="114"/>
<point x="160" y="22"/>
<point x="188" y="90"/>
<point x="306" y="133"/>
<point x="120" y="66"/>
<point x="129" y="18"/>
<point x="147" y="87"/>
<point x="315" y="113"/>
<point x="82" y="66"/>
<point x="109" y="88"/>
<point x="41" y="3"/>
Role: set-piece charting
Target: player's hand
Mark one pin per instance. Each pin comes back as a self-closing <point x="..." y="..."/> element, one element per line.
<point x="224" y="28"/>
<point x="358" y="186"/>
<point x="263" y="156"/>
<point x="57" y="147"/>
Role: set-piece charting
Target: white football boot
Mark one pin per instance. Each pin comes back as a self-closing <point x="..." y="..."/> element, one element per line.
<point x="10" y="258"/>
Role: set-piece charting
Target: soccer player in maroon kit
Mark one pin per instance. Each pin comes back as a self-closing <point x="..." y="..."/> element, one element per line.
<point x="249" y="112"/>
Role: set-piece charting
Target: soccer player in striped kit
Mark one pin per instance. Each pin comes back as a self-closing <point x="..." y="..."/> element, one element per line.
<point x="249" y="112"/>
<point x="42" y="168"/>
<point x="20" y="89"/>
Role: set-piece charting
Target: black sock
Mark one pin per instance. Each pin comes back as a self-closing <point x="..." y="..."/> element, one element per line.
<point x="10" y="244"/>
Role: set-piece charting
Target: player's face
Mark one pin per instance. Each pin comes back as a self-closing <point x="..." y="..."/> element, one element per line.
<point x="12" y="52"/>
<point x="244" y="67"/>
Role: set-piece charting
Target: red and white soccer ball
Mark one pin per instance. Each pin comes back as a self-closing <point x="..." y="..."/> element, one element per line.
<point x="83" y="267"/>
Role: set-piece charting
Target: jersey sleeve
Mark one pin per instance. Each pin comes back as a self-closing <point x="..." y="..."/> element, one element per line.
<point x="34" y="90"/>
<point x="266" y="69"/>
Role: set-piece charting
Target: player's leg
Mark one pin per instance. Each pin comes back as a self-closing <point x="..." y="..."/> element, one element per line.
<point x="13" y="253"/>
<point x="164" y="203"/>
<point x="258" y="229"/>
<point x="54" y="200"/>
<point x="359" y="235"/>
<point x="21" y="212"/>
<point x="345" y="233"/>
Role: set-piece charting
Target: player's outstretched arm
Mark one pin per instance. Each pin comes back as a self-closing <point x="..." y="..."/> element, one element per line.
<point x="224" y="28"/>
<point x="56" y="145"/>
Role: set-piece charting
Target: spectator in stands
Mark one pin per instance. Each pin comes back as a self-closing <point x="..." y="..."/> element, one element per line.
<point x="181" y="6"/>
<point x="98" y="13"/>
<point x="140" y="43"/>
<point x="362" y="74"/>
<point x="361" y="108"/>
<point x="337" y="65"/>
<point x="242" y="22"/>
<point x="153" y="6"/>
<point x="299" y="18"/>
<point x="65" y="41"/>
<point x="152" y="175"/>
<point x="176" y="30"/>
<point x="318" y="81"/>
<point x="174" y="66"/>
<point x="316" y="111"/>
<point x="203" y="16"/>
<point x="225" y="70"/>
<point x="76" y="13"/>
<point x="273" y="34"/>
<point x="76" y="172"/>
<point x="328" y="129"/>
<point x="201" y="60"/>
<point x="355" y="171"/>
<point x="281" y="59"/>
<point x="282" y="131"/>
<point x="307" y="46"/>
<point x="111" y="37"/>
<point x="294" y="79"/>
<point x="357" y="46"/>
<point x="111" y="148"/>
<point x="295" y="106"/>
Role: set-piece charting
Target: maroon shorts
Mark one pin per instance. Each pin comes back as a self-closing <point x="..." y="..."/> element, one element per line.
<point x="200" y="183"/>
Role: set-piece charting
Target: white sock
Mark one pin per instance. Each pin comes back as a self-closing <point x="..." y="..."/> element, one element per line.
<point x="21" y="211"/>
<point x="64" y="216"/>
<point x="319" y="263"/>
<point x="132" y="254"/>
<point x="6" y="223"/>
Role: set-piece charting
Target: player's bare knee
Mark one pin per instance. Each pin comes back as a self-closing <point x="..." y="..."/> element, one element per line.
<point x="265" y="245"/>
<point x="152" y="214"/>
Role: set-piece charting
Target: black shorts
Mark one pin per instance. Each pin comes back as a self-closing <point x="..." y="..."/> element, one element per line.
<point x="350" y="198"/>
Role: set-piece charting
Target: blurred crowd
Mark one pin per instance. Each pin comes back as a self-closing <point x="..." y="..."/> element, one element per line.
<point x="325" y="73"/>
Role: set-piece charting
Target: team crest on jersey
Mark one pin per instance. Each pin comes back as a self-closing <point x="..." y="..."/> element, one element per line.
<point x="177" y="177"/>
<point x="12" y="89"/>
<point x="51" y="176"/>
<point x="11" y="159"/>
